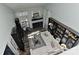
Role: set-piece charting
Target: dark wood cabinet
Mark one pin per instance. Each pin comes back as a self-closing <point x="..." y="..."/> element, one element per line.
<point x="67" y="35"/>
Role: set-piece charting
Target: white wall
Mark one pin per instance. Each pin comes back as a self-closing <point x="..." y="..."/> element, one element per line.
<point x="65" y="13"/>
<point x="6" y="23"/>
<point x="29" y="11"/>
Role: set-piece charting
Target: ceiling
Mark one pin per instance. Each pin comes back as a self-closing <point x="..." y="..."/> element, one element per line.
<point x="19" y="6"/>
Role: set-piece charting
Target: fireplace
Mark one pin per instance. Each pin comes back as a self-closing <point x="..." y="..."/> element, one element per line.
<point x="37" y="25"/>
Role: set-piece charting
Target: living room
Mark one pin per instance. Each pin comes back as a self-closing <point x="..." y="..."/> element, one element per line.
<point x="41" y="24"/>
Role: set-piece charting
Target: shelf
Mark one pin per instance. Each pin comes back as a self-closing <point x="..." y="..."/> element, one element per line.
<point x="37" y="21"/>
<point x="59" y="35"/>
<point x="59" y="31"/>
<point x="62" y="31"/>
<point x="60" y="27"/>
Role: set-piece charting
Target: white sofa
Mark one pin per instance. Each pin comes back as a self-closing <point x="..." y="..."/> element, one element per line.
<point x="52" y="45"/>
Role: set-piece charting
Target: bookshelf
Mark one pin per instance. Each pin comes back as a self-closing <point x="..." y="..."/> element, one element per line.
<point x="67" y="35"/>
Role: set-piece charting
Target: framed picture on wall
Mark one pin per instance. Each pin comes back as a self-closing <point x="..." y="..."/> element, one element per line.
<point x="36" y="14"/>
